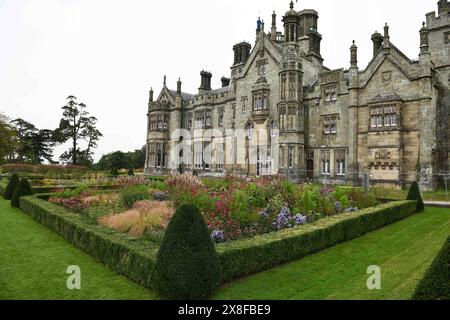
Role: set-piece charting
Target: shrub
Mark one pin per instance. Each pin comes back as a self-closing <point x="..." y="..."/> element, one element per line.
<point x="130" y="195"/>
<point x="130" y="173"/>
<point x="414" y="194"/>
<point x="435" y="285"/>
<point x="22" y="189"/>
<point x="187" y="266"/>
<point x="114" y="172"/>
<point x="243" y="257"/>
<point x="12" y="184"/>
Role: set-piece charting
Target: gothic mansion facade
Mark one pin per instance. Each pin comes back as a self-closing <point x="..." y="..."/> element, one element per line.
<point x="390" y="121"/>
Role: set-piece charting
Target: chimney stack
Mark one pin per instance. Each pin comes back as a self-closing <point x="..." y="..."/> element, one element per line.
<point x="205" y="81"/>
<point x="377" y="40"/>
<point x="225" y="82"/>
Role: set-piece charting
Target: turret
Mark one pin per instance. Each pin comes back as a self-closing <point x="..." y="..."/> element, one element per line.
<point x="424" y="43"/>
<point x="241" y="52"/>
<point x="377" y="40"/>
<point x="314" y="41"/>
<point x="443" y="7"/>
<point x="291" y="25"/>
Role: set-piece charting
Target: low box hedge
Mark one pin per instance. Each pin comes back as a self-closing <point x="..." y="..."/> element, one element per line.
<point x="136" y="259"/>
<point x="244" y="257"/>
<point x="2" y="188"/>
<point x="117" y="251"/>
<point x="435" y="285"/>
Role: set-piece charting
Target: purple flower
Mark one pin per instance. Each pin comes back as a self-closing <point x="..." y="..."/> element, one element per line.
<point x="283" y="219"/>
<point x="300" y="219"/>
<point x="160" y="196"/>
<point x="218" y="236"/>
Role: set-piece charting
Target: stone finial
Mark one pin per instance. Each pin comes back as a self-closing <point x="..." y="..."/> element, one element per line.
<point x="165" y="80"/>
<point x="387" y="43"/>
<point x="291" y="5"/>
<point x="151" y="95"/>
<point x="354" y="55"/>
<point x="179" y="86"/>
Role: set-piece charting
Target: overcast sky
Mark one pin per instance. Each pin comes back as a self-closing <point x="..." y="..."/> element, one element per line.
<point x="109" y="53"/>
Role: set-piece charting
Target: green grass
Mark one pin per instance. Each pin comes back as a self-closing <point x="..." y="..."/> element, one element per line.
<point x="34" y="260"/>
<point x="403" y="251"/>
<point x="438" y="195"/>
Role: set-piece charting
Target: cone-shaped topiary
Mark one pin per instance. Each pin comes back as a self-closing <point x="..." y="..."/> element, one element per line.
<point x="187" y="265"/>
<point x="130" y="173"/>
<point x="414" y="194"/>
<point x="114" y="172"/>
<point x="22" y="189"/>
<point x="12" y="184"/>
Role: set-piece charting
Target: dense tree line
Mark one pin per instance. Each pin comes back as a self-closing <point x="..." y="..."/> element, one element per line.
<point x="23" y="142"/>
<point x="122" y="160"/>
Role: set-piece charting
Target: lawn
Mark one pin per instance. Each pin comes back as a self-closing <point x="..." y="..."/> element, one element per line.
<point x="34" y="260"/>
<point x="438" y="195"/>
<point x="403" y="251"/>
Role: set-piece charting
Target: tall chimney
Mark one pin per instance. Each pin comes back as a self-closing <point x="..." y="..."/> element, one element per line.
<point x="205" y="81"/>
<point x="273" y="31"/>
<point x="225" y="82"/>
<point x="377" y="40"/>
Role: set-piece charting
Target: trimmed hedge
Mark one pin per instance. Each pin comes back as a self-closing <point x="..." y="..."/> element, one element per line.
<point x="2" y="188"/>
<point x="435" y="285"/>
<point x="136" y="260"/>
<point x="22" y="189"/>
<point x="244" y="257"/>
<point x="117" y="251"/>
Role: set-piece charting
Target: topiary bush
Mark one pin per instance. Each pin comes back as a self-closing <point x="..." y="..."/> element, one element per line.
<point x="435" y="285"/>
<point x="22" y="189"/>
<point x="12" y="184"/>
<point x="187" y="265"/>
<point x="414" y="194"/>
<point x="130" y="173"/>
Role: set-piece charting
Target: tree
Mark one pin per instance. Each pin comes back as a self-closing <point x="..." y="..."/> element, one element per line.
<point x="8" y="140"/>
<point x="187" y="266"/>
<point x="121" y="160"/>
<point x="76" y="126"/>
<point x="24" y="131"/>
<point x="22" y="189"/>
<point x="93" y="135"/>
<point x="35" y="145"/>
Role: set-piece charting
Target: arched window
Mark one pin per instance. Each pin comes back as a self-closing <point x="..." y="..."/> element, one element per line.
<point x="272" y="128"/>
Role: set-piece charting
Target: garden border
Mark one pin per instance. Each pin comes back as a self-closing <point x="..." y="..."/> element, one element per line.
<point x="238" y="258"/>
<point x="110" y="247"/>
<point x="244" y="257"/>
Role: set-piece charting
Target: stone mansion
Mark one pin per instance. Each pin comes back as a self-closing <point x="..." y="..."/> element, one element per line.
<point x="389" y="121"/>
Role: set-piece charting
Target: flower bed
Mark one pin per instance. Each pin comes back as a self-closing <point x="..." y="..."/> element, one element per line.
<point x="135" y="258"/>
<point x="233" y="208"/>
<point x="244" y="257"/>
